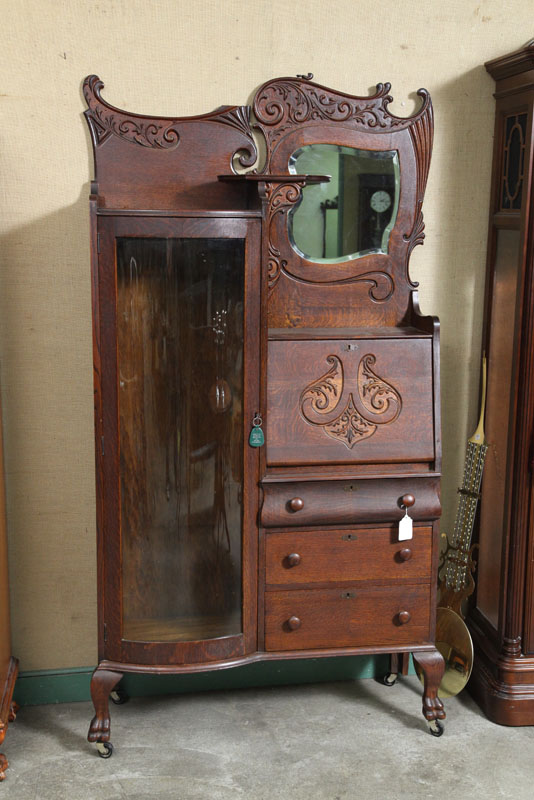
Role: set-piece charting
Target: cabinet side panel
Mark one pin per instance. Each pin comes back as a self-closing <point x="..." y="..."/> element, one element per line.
<point x="493" y="508"/>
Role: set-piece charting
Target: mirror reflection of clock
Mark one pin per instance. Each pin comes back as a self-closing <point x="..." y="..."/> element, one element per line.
<point x="380" y="201"/>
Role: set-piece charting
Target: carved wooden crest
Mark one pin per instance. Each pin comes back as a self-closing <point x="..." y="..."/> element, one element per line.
<point x="375" y="402"/>
<point x="162" y="133"/>
<point x="283" y="104"/>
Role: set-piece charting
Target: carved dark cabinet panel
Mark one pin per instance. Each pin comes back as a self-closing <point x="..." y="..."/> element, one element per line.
<point x="266" y="390"/>
<point x="350" y="401"/>
<point x="502" y="617"/>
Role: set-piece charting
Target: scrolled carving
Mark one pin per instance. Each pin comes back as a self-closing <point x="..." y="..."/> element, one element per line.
<point x="281" y="197"/>
<point x="323" y="395"/>
<point x="378" y="403"/>
<point x="381" y="283"/>
<point x="377" y="396"/>
<point x="284" y="103"/>
<point x="422" y="134"/>
<point x="239" y="117"/>
<point x="159" y="133"/>
<point x="105" y="120"/>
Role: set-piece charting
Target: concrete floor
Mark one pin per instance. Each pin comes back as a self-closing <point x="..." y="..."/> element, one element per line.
<point x="333" y="741"/>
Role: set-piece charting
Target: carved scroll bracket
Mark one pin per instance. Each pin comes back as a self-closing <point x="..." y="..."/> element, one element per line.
<point x="422" y="134"/>
<point x="280" y="198"/>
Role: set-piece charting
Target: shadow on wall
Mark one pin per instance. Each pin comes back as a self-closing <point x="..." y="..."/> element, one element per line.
<point x="46" y="371"/>
<point x="459" y="229"/>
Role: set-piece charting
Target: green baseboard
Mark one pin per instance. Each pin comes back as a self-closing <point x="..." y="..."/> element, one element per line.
<point x="72" y="685"/>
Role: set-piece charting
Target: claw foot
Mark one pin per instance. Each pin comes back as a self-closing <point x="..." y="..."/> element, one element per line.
<point x="432" y="665"/>
<point x="433" y="708"/>
<point x="3" y="766"/>
<point x="99" y="729"/>
<point x="102" y="684"/>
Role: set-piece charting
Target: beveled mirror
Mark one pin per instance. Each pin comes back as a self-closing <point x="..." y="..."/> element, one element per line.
<point x="351" y="215"/>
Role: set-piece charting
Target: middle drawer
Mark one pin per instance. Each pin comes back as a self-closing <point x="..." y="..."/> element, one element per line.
<point x="341" y="556"/>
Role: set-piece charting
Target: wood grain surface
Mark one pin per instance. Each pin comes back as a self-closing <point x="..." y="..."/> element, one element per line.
<point x="362" y="554"/>
<point x="347" y="617"/>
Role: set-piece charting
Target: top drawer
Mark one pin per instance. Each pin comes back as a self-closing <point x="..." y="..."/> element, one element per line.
<point x="349" y="401"/>
<point x="342" y="502"/>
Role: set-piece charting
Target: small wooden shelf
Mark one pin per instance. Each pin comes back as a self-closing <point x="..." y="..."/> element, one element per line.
<point x="139" y="212"/>
<point x="288" y="178"/>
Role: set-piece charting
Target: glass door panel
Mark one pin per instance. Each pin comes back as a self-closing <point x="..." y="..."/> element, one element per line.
<point x="180" y="354"/>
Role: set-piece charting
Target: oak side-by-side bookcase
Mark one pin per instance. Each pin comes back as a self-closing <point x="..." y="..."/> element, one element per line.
<point x="266" y="389"/>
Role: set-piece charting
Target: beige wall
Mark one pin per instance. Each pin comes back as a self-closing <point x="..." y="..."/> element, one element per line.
<point x="175" y="57"/>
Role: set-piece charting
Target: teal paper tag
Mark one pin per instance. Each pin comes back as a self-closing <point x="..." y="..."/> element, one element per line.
<point x="256" y="438"/>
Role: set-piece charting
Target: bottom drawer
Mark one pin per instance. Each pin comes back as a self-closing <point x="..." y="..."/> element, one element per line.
<point x="371" y="617"/>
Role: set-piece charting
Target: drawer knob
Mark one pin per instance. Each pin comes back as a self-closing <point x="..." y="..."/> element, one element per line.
<point x="405" y="554"/>
<point x="293" y="559"/>
<point x="407" y="500"/>
<point x="294" y="623"/>
<point x="404" y="617"/>
<point x="296" y="504"/>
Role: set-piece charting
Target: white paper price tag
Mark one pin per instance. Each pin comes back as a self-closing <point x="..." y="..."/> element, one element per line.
<point x="405" y="528"/>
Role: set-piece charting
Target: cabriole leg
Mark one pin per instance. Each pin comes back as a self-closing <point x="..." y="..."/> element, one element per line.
<point x="432" y="666"/>
<point x="3" y="760"/>
<point x="3" y="766"/>
<point x="102" y="684"/>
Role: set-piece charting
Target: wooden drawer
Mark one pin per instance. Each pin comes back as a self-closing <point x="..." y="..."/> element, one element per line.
<point x="347" y="502"/>
<point x="349" y="401"/>
<point x="370" y="617"/>
<point x="294" y="559"/>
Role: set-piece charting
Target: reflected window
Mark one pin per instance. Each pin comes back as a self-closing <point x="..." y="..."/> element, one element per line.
<point x="353" y="214"/>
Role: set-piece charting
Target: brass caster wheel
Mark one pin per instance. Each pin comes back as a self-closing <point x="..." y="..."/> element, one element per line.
<point x="436" y="727"/>
<point x="119" y="697"/>
<point x="390" y="679"/>
<point x="104" y="749"/>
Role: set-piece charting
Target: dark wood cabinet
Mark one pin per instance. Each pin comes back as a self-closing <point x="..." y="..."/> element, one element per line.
<point x="502" y="617"/>
<point x="266" y="408"/>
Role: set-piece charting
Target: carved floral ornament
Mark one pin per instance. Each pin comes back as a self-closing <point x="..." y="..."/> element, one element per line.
<point x="161" y="133"/>
<point x="375" y="403"/>
<point x="285" y="103"/>
<point x="280" y="106"/>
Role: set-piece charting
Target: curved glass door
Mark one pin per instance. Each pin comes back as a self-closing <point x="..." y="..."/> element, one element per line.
<point x="180" y="358"/>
